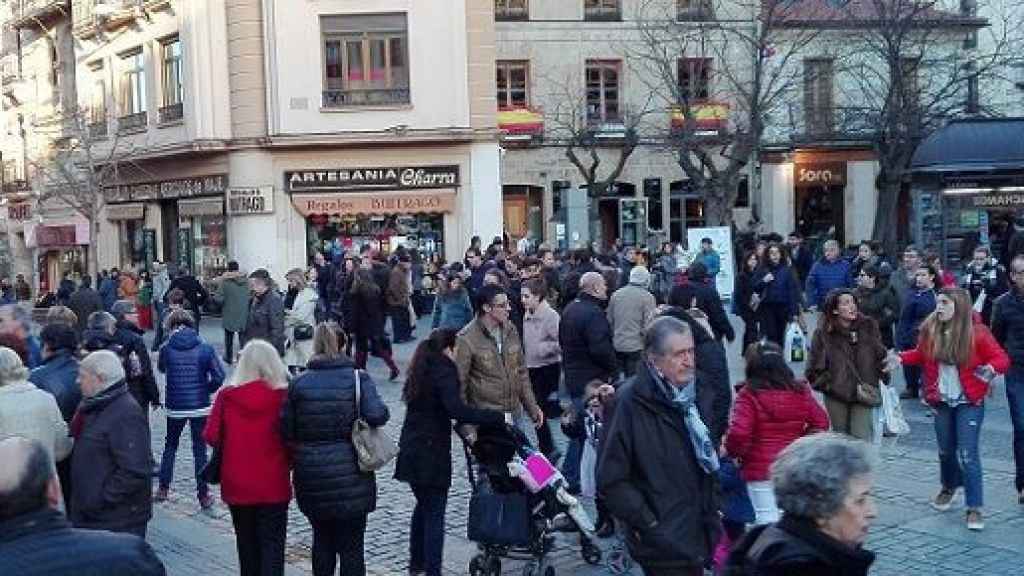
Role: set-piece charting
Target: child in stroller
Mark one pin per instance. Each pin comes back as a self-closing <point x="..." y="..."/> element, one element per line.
<point x="519" y="500"/>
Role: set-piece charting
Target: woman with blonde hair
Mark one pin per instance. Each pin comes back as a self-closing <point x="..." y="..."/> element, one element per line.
<point x="317" y="421"/>
<point x="245" y="426"/>
<point x="959" y="357"/>
<point x="299" y="318"/>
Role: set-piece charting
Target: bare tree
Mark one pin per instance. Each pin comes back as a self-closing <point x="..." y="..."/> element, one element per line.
<point x="81" y="171"/>
<point x="722" y="69"/>
<point x="914" y="65"/>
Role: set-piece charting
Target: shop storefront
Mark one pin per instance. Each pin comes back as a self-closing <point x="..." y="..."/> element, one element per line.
<point x="180" y="220"/>
<point x="347" y="208"/>
<point x="968" y="187"/>
<point x="61" y="247"/>
<point x="819" y="192"/>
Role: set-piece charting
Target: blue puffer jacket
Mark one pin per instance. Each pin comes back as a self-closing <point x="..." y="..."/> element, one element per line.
<point x="453" y="311"/>
<point x="193" y="371"/>
<point x="824" y="277"/>
<point x="917" y="306"/>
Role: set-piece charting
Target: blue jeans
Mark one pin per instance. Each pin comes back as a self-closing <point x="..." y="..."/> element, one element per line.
<point x="573" y="453"/>
<point x="174" y="428"/>
<point x="1015" y="398"/>
<point x="426" y="534"/>
<point x="957" y="431"/>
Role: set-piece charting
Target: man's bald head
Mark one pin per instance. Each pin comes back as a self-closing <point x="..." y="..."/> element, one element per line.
<point x="593" y="283"/>
<point x="27" y="478"/>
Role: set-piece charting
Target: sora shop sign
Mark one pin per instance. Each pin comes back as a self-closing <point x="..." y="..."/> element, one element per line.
<point x="379" y="178"/>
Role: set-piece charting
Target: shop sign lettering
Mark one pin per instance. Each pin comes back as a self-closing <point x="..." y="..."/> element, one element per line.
<point x="436" y="202"/>
<point x="825" y="174"/>
<point x="179" y="188"/>
<point x="997" y="200"/>
<point x="383" y="178"/>
<point x="250" y="200"/>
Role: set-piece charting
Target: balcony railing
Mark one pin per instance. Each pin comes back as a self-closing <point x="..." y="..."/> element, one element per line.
<point x="172" y="113"/>
<point x="366" y="97"/>
<point x="834" y="123"/>
<point x="510" y="11"/>
<point x="602" y="14"/>
<point x="25" y="12"/>
<point x="709" y="118"/>
<point x="132" y="122"/>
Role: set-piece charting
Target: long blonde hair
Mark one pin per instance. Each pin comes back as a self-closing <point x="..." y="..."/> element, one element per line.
<point x="259" y="360"/>
<point x="950" y="342"/>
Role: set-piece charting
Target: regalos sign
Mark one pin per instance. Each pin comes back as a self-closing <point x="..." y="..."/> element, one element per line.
<point x="383" y="178"/>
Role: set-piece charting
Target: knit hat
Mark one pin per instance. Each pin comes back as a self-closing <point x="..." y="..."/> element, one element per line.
<point x="639" y="276"/>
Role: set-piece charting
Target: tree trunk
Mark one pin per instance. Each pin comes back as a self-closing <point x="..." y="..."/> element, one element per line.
<point x="887" y="217"/>
<point x="94" y="244"/>
<point x="717" y="208"/>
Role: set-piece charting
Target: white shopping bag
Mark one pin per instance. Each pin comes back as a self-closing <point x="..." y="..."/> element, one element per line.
<point x="893" y="422"/>
<point x="588" y="469"/>
<point x="795" y="349"/>
<point x="979" y="304"/>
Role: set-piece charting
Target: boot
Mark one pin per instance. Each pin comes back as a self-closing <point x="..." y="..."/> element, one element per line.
<point x="386" y="357"/>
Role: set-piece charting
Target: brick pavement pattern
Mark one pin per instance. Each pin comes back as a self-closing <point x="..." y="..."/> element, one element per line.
<point x="909" y="537"/>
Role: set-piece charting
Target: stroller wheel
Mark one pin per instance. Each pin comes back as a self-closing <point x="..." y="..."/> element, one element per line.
<point x="591" y="554"/>
<point x="476" y="566"/>
<point x="618" y="561"/>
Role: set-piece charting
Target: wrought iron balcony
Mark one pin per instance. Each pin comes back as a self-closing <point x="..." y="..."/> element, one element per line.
<point x="31" y="12"/>
<point x="132" y="122"/>
<point x="172" y="113"/>
<point x="98" y="129"/>
<point x="366" y="97"/>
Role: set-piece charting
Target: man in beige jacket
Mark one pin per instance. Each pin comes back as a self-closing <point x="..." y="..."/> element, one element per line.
<point x="489" y="356"/>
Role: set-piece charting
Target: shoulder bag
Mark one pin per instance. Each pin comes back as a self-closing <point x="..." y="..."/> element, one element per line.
<point x="211" y="472"/>
<point x="865" y="395"/>
<point x="374" y="448"/>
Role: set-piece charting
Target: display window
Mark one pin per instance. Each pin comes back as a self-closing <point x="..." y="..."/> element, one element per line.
<point x="337" y="235"/>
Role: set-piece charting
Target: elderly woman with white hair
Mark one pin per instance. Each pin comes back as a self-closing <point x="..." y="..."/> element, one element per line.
<point x="245" y="425"/>
<point x="27" y="411"/>
<point x="823" y="486"/>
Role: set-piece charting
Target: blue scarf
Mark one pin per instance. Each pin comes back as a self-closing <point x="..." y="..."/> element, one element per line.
<point x="684" y="400"/>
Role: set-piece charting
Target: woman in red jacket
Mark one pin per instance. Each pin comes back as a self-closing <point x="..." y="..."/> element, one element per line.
<point x="772" y="410"/>
<point x="960" y="358"/>
<point x="244" y="424"/>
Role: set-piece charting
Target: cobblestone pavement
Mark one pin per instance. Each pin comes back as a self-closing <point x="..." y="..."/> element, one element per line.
<point x="908" y="536"/>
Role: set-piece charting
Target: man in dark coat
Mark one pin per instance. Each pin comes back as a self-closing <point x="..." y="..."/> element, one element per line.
<point x="84" y="302"/>
<point x="656" y="470"/>
<point x="36" y="539"/>
<point x="111" y="464"/>
<point x="587" y="354"/>
<point x="108" y="288"/>
<point x="584" y="262"/>
<point x="266" y="311"/>
<point x="106" y="332"/>
<point x="800" y="255"/>
<point x="699" y="292"/>
<point x="65" y="289"/>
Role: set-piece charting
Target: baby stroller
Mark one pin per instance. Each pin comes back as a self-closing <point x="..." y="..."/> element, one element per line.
<point x="519" y="501"/>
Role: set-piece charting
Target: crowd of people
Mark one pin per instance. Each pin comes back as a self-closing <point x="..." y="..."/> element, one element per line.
<point x="626" y="350"/>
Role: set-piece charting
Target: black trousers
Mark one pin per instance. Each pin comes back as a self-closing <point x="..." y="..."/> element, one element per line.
<point x="259" y="536"/>
<point x="774" y="319"/>
<point x="339" y="539"/>
<point x="229" y="345"/>
<point x="544" y="381"/>
<point x="401" y="324"/>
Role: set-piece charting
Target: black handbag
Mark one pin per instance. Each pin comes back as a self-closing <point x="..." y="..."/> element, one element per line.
<point x="302" y="332"/>
<point x="211" y="472"/>
<point x="496" y="518"/>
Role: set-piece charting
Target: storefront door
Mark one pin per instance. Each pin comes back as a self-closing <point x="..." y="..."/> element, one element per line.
<point x="514" y="209"/>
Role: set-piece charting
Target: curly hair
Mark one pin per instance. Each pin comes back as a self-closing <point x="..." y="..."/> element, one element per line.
<point x="812" y="475"/>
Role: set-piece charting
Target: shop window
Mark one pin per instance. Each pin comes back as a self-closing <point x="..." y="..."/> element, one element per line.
<point x="55" y="64"/>
<point x="818" y="98"/>
<point x="652" y="191"/>
<point x="513" y="84"/>
<point x="694" y="77"/>
<point x="131" y="244"/>
<point x="603" y="88"/>
<point x="365" y="60"/>
<point x="98" y="101"/>
<point x="694" y="10"/>
<point x="172" y="84"/>
<point x="511" y="10"/>
<point x="133" y="83"/>
<point x="208" y="243"/>
<point x="743" y="193"/>
<point x="602" y="10"/>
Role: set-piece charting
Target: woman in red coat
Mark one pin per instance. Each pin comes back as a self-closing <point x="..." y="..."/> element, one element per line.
<point x="245" y="425"/>
<point x="772" y="410"/>
<point x="960" y="358"/>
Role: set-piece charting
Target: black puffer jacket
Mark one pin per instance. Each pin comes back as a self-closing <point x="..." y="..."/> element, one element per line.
<point x="1008" y="324"/>
<point x="703" y="292"/>
<point x="425" y="449"/>
<point x="586" y="339"/>
<point x="317" y="421"/>
<point x="795" y="547"/>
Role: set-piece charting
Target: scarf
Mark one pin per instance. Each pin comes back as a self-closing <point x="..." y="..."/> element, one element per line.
<point x="684" y="400"/>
